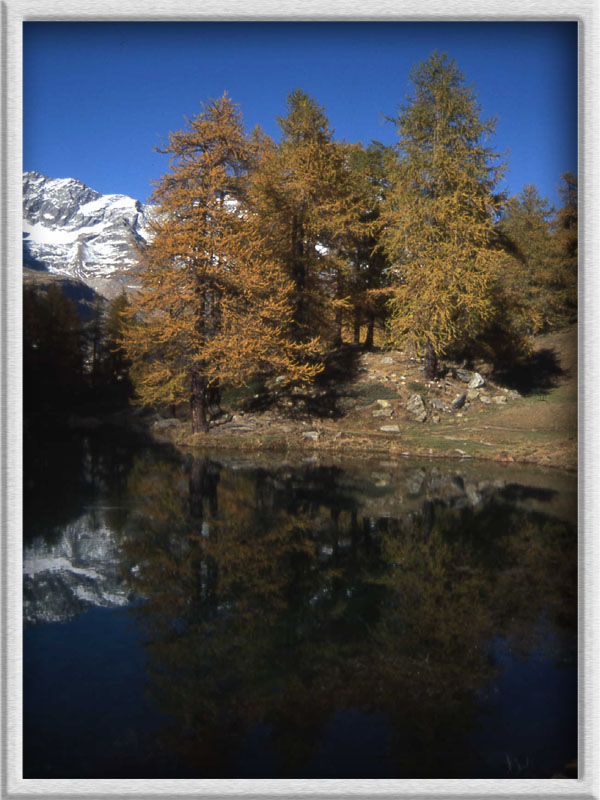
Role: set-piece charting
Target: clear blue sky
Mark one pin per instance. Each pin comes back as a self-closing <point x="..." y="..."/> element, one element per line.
<point x="98" y="97"/>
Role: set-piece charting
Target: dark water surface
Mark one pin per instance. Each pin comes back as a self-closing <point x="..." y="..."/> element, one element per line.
<point x="284" y="618"/>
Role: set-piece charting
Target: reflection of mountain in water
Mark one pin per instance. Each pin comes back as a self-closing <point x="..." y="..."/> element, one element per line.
<point x="75" y="571"/>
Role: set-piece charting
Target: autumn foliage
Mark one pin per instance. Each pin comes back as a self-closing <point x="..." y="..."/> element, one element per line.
<point x="264" y="256"/>
<point x="211" y="308"/>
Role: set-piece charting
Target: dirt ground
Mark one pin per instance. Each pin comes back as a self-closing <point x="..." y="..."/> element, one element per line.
<point x="527" y="415"/>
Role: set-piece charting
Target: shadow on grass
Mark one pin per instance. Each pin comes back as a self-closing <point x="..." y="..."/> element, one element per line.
<point x="531" y="375"/>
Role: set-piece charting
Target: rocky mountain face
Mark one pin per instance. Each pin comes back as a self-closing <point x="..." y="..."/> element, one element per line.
<point x="74" y="232"/>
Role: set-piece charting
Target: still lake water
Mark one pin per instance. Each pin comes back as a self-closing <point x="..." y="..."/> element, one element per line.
<point x="287" y="618"/>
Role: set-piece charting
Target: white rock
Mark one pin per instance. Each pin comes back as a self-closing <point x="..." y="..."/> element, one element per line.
<point x="476" y="381"/>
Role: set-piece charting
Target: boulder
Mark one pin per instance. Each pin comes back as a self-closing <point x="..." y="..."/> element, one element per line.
<point x="477" y="381"/>
<point x="390" y="429"/>
<point x="459" y="401"/>
<point x="463" y="375"/>
<point x="415" y="404"/>
<point x="383" y="412"/>
<point x="499" y="399"/>
<point x="311" y="435"/>
<point x="438" y="404"/>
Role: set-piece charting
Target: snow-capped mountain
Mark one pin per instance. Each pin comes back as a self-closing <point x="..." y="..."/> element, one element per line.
<point x="74" y="231"/>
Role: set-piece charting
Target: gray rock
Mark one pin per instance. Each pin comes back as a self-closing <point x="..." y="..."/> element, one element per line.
<point x="512" y="394"/>
<point x="383" y="403"/>
<point x="477" y="381"/>
<point x="459" y="401"/>
<point x="390" y="429"/>
<point x="463" y="375"/>
<point x="438" y="404"/>
<point x="485" y="398"/>
<point x="472" y="394"/>
<point x="311" y="435"/>
<point x="387" y="360"/>
<point x="383" y="412"/>
<point x="499" y="399"/>
<point x="415" y="404"/>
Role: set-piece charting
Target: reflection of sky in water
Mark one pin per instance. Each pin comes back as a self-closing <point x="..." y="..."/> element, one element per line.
<point x="319" y="619"/>
<point x="518" y="702"/>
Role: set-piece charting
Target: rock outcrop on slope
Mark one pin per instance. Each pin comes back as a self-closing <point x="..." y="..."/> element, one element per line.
<point x="73" y="231"/>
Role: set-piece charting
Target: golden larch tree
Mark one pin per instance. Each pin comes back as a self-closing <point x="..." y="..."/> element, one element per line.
<point x="309" y="200"/>
<point x="440" y="212"/>
<point x="210" y="308"/>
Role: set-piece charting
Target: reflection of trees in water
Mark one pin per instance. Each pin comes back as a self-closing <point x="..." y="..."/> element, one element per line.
<point x="270" y="604"/>
<point x="65" y="471"/>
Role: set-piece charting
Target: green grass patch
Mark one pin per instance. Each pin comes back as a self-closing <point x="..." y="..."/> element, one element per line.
<point x="417" y="387"/>
<point x="367" y="393"/>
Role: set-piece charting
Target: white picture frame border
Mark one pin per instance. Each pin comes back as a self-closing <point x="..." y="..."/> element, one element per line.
<point x="12" y="14"/>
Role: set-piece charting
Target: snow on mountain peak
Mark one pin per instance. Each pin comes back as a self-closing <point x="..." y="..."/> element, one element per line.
<point x="72" y="230"/>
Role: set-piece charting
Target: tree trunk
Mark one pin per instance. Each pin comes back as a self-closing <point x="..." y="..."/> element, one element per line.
<point x="337" y="328"/>
<point x="431" y="362"/>
<point x="339" y="313"/>
<point x="203" y="481"/>
<point x="356" y="327"/>
<point x="198" y="403"/>
<point x="212" y="396"/>
<point x="299" y="279"/>
<point x="370" y="332"/>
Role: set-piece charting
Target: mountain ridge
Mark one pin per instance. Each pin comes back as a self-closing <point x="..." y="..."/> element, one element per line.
<point x="73" y="231"/>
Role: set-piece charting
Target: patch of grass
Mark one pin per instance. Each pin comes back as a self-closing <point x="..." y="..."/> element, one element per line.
<point x="367" y="393"/>
<point x="420" y="388"/>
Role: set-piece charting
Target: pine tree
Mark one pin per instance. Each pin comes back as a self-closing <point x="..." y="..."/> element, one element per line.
<point x="53" y="351"/>
<point x="440" y="213"/>
<point x="115" y="364"/>
<point x="210" y="309"/>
